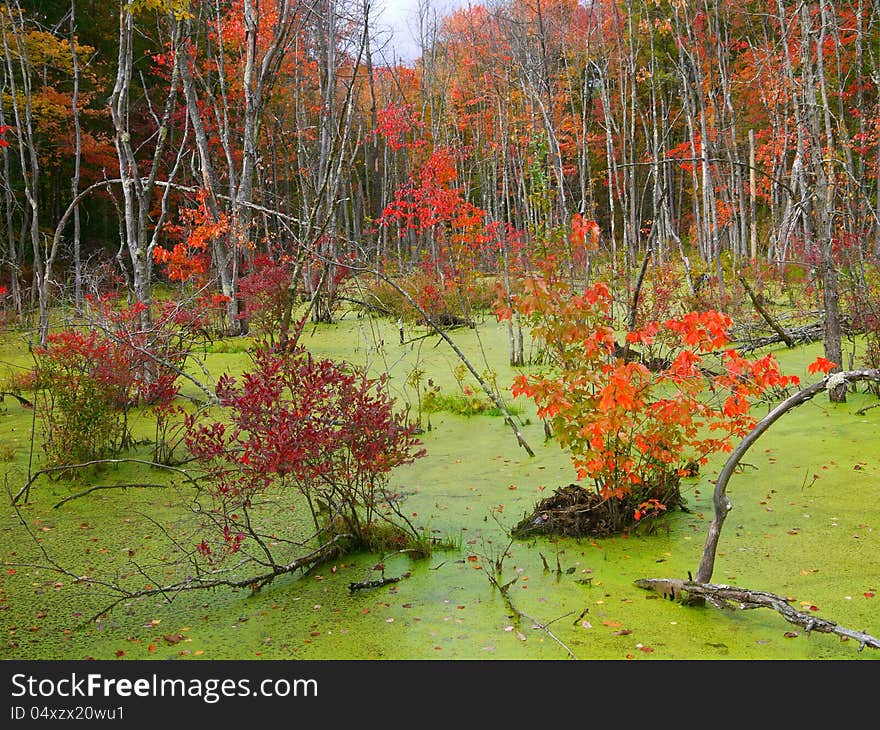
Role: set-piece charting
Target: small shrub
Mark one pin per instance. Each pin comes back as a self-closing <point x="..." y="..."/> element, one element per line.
<point x="264" y="294"/>
<point x="634" y="431"/>
<point x="448" y="301"/>
<point x="85" y="384"/>
<point x="467" y="403"/>
<point x="8" y="452"/>
<point x="316" y="427"/>
<point x="89" y="379"/>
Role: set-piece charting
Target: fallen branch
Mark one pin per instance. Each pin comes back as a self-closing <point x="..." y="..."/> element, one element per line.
<point x="768" y="318"/>
<point x="377" y="583"/>
<point x="801" y="335"/>
<point x="23" y="401"/>
<point x="109" y="486"/>
<point x="212" y="579"/>
<point x="26" y="489"/>
<point x="733" y="598"/>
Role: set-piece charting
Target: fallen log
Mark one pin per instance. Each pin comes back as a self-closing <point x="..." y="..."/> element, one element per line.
<point x="376" y="583"/>
<point x="734" y="598"/>
<point x="745" y="341"/>
<point x="802" y="335"/>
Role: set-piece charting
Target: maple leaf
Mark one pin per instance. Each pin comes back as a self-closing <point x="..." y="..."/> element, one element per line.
<point x="821" y="365"/>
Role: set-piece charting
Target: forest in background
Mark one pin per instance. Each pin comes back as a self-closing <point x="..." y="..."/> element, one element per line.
<point x="225" y="147"/>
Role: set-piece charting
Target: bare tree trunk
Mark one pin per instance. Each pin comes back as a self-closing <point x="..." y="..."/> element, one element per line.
<point x="28" y="155"/>
<point x="12" y="252"/>
<point x="77" y="160"/>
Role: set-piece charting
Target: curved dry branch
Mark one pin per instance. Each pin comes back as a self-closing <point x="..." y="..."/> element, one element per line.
<point x="508" y="419"/>
<point x="26" y="488"/>
<point x="98" y="487"/>
<point x="721" y="500"/>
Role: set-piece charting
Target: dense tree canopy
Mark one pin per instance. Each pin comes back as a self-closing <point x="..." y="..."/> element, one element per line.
<point x="710" y="133"/>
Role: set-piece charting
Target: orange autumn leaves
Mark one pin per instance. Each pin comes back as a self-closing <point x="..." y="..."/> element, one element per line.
<point x="584" y="233"/>
<point x="630" y="428"/>
<point x="821" y="365"/>
<point x="190" y="259"/>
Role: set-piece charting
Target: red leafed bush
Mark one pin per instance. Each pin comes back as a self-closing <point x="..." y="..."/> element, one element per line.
<point x="310" y="425"/>
<point x="88" y="379"/>
<point x="85" y="382"/>
<point x="264" y="293"/>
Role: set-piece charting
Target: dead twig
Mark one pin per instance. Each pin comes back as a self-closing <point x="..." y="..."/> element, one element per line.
<point x="518" y="614"/>
<point x="109" y="486"/>
<point x="863" y="411"/>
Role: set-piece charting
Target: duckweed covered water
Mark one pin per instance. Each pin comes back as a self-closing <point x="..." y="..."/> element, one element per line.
<point x="804" y="526"/>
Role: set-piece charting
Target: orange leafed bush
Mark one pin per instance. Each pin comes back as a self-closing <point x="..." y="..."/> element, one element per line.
<point x="632" y="429"/>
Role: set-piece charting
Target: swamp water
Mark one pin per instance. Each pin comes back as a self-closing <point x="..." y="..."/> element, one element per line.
<point x="804" y="525"/>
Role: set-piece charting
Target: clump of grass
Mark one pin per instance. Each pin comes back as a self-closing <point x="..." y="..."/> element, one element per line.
<point x="231" y="345"/>
<point x="447" y="301"/>
<point x="425" y="543"/>
<point x="385" y="537"/>
<point x="467" y="403"/>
